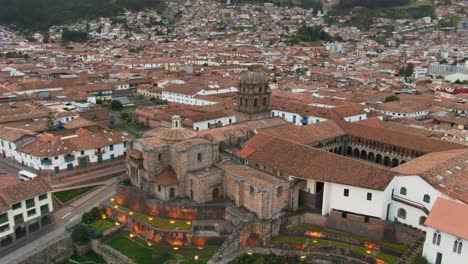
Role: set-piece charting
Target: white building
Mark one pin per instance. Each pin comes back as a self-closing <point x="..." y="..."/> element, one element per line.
<point x="447" y="233"/>
<point x="25" y="207"/>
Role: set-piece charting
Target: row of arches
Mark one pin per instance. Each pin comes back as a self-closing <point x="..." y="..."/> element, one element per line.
<point x="372" y="157"/>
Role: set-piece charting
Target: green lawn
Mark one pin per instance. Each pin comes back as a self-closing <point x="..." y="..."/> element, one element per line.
<point x="141" y="254"/>
<point x="65" y="196"/>
<point x="90" y="257"/>
<point x="160" y="222"/>
<point x="138" y="250"/>
<point x="395" y="246"/>
<point x="102" y="224"/>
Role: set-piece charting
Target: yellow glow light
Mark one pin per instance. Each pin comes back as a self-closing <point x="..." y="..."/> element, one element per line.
<point x="116" y="206"/>
<point x="172" y="222"/>
<point x="176" y="248"/>
<point x="303" y="257"/>
<point x="131" y="235"/>
<point x="150" y="218"/>
<point x="188" y="223"/>
<point x="196" y="257"/>
<point x="315" y="241"/>
<point x="149" y="244"/>
<point x="112" y="199"/>
<point x="369" y="252"/>
<point x="249" y="253"/>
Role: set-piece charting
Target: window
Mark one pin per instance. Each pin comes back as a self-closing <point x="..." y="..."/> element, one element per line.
<point x="16" y="206"/>
<point x="251" y="190"/>
<point x="4" y="228"/>
<point x="200" y="157"/>
<point x="401" y="213"/>
<point x="427" y="198"/>
<point x="159" y="156"/>
<point x="111" y="147"/>
<point x="18" y="219"/>
<point x="43" y="196"/>
<point x="422" y="220"/>
<point x="436" y="238"/>
<point x="30" y="203"/>
<point x="346" y="192"/>
<point x="369" y="196"/>
<point x="44" y="209"/>
<point x="56" y="158"/>
<point x="159" y="188"/>
<point x="403" y="191"/>
<point x="3" y="218"/>
<point x="457" y="246"/>
<point x="82" y="152"/>
<point x="31" y="212"/>
<point x="344" y="214"/>
<point x="279" y="191"/>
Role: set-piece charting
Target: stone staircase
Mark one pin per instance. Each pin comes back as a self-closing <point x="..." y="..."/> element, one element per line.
<point x="414" y="251"/>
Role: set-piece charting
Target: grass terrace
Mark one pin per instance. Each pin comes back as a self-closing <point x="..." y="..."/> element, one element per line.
<point x="295" y="240"/>
<point x="144" y="252"/>
<point x="68" y="195"/>
<point x="399" y="247"/>
<point x="263" y="259"/>
<point x="158" y="222"/>
<point x="102" y="224"/>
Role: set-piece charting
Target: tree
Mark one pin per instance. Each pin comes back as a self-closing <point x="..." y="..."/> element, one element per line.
<point x="80" y="235"/>
<point x="407" y="71"/>
<point x="99" y="101"/>
<point x="51" y="122"/>
<point x="116" y="105"/>
<point x="391" y="98"/>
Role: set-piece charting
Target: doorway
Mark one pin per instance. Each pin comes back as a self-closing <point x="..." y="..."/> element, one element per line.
<point x="438" y="258"/>
<point x="83" y="162"/>
<point x="215" y="194"/>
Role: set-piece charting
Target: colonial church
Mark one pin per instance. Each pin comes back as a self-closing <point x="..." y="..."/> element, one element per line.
<point x="266" y="165"/>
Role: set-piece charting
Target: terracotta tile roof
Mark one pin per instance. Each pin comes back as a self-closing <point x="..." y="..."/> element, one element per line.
<point x="78" y="123"/>
<point x="446" y="171"/>
<point x="311" y="163"/>
<point x="167" y="177"/>
<point x="396" y="138"/>
<point x="449" y="217"/>
<point x="13" y="190"/>
<point x="306" y="134"/>
<point x="13" y="134"/>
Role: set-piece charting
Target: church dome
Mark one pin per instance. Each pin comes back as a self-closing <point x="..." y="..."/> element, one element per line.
<point x="175" y="133"/>
<point x="253" y="78"/>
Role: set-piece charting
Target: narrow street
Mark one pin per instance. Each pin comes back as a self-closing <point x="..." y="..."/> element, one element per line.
<point x="68" y="215"/>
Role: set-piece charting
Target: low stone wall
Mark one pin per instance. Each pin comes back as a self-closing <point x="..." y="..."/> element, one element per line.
<point x="57" y="251"/>
<point x="135" y="199"/>
<point x="355" y="224"/>
<point x="407" y="234"/>
<point x="112" y="256"/>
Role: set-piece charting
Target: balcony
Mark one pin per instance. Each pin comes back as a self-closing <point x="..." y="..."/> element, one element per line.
<point x="411" y="203"/>
<point x="99" y="152"/>
<point x="69" y="158"/>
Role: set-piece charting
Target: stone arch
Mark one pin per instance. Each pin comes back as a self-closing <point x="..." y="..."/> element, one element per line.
<point x="386" y="161"/>
<point x="255" y="102"/>
<point x="371" y="157"/>
<point x="6" y="241"/>
<point x="340" y="149"/>
<point x="395" y="162"/>
<point x="246" y="102"/>
<point x="264" y="101"/>
<point x="403" y="162"/>
<point x="356" y="153"/>
<point x="46" y="220"/>
<point x="363" y="154"/>
<point x="349" y="151"/>
<point x="378" y="159"/>
<point x="20" y="232"/>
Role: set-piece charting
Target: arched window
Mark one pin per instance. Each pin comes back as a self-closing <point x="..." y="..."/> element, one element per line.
<point x="240" y="102"/>
<point x="246" y="102"/>
<point x="422" y="219"/>
<point x="279" y="191"/>
<point x="255" y="102"/>
<point x="159" y="188"/>
<point x="264" y="103"/>
<point x="436" y="238"/>
<point x="457" y="246"/>
<point x="403" y="191"/>
<point x="401" y="213"/>
<point x="159" y="156"/>
<point x="427" y="198"/>
<point x="251" y="190"/>
<point x="200" y="157"/>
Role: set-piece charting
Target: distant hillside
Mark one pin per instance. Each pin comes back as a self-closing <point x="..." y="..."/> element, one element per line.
<point x="315" y="4"/>
<point x="42" y="14"/>
<point x="372" y="4"/>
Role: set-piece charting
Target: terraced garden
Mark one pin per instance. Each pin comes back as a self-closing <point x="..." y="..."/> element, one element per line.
<point x="157" y="222"/>
<point x="314" y="238"/>
<point x="145" y="252"/>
